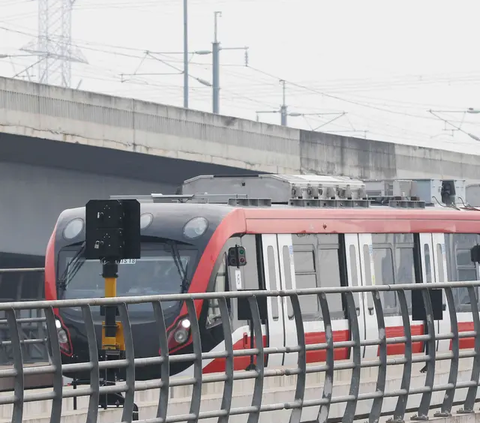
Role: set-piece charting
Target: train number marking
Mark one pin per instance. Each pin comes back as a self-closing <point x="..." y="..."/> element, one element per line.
<point x="128" y="261"/>
<point x="238" y="279"/>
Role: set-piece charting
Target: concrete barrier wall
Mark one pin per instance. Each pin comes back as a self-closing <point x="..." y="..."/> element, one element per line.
<point x="277" y="390"/>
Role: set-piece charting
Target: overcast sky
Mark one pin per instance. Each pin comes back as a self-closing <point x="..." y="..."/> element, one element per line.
<point x="375" y="68"/>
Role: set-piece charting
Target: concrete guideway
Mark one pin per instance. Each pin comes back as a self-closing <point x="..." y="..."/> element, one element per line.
<point x="76" y="117"/>
<point x="277" y="390"/>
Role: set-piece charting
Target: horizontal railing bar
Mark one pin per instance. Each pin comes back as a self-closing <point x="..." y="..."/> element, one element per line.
<point x="25" y="320"/>
<point x="141" y="362"/>
<point x="27" y="305"/>
<point x="26" y="341"/>
<point x="252" y="374"/>
<point x="343" y="365"/>
<point x="23" y="270"/>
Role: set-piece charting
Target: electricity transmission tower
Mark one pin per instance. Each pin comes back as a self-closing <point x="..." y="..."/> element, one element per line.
<point x="54" y="44"/>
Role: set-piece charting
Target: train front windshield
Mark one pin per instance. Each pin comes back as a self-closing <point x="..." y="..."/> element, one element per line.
<point x="164" y="268"/>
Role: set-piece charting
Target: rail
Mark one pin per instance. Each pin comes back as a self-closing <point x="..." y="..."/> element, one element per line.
<point x="229" y="408"/>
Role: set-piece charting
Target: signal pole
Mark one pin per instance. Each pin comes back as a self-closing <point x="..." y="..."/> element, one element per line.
<point x="283" y="107"/>
<point x="112" y="234"/>
<point x="284" y="113"/>
<point x="185" y="54"/>
<point x="216" y="66"/>
<point x="215" y="52"/>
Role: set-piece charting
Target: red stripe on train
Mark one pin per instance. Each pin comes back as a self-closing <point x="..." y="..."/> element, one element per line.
<point x="465" y="343"/>
<point x="398" y="332"/>
<point x="318" y="356"/>
<point x="239" y="363"/>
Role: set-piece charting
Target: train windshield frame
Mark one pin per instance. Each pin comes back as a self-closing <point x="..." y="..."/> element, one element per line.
<point x="166" y="267"/>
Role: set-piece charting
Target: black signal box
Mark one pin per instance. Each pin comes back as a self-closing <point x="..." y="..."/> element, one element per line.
<point x="237" y="256"/>
<point x="112" y="230"/>
<point x="418" y="306"/>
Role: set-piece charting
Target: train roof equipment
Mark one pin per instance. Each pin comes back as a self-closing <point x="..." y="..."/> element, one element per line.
<point x="322" y="191"/>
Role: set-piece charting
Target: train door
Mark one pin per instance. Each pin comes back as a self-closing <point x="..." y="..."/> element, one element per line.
<point x="287" y="277"/>
<point x="389" y="259"/>
<point x="275" y="321"/>
<point x="319" y="261"/>
<point x="440" y="266"/>
<point x="461" y="268"/>
<point x="434" y="267"/>
<point x="357" y="277"/>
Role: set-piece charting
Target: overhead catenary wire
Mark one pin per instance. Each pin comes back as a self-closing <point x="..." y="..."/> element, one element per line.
<point x="257" y="88"/>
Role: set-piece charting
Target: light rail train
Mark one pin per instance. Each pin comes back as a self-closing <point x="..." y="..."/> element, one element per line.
<point x="294" y="232"/>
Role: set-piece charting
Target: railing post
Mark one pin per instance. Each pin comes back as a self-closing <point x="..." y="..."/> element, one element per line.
<point x="400" y="409"/>
<point x="447" y="404"/>
<point x="382" y="369"/>
<point x="472" y="391"/>
<point x="430" y="377"/>
<point x="328" y="384"/>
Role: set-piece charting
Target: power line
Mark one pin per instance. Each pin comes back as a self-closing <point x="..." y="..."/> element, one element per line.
<point x="295" y="88"/>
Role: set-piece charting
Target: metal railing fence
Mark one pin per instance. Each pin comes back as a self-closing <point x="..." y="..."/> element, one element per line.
<point x="229" y="410"/>
<point x="23" y="285"/>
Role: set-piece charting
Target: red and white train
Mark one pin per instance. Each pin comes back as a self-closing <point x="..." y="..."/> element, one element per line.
<point x="298" y="232"/>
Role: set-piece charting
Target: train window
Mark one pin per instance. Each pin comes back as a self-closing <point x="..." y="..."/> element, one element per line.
<point x="368" y="273"/>
<point x="251" y="273"/>
<point x="288" y="278"/>
<point x="405" y="265"/>
<point x="273" y="280"/>
<point x="460" y="267"/>
<point x="306" y="276"/>
<point x="304" y="261"/>
<point x="440" y="270"/>
<point x="317" y="264"/>
<point x="463" y="257"/>
<point x="428" y="267"/>
<point x="394" y="263"/>
<point x="383" y="261"/>
<point x="329" y="275"/>
<point x="354" y="265"/>
<point x="214" y="316"/>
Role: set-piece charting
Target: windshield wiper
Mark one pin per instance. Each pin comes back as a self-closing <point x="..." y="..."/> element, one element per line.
<point x="72" y="269"/>
<point x="178" y="262"/>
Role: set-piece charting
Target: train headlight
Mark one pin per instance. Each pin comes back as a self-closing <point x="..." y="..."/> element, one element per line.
<point x="181" y="335"/>
<point x="73" y="229"/>
<point x="146" y="220"/>
<point x="186" y="324"/>
<point x="195" y="227"/>
<point x="62" y="337"/>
